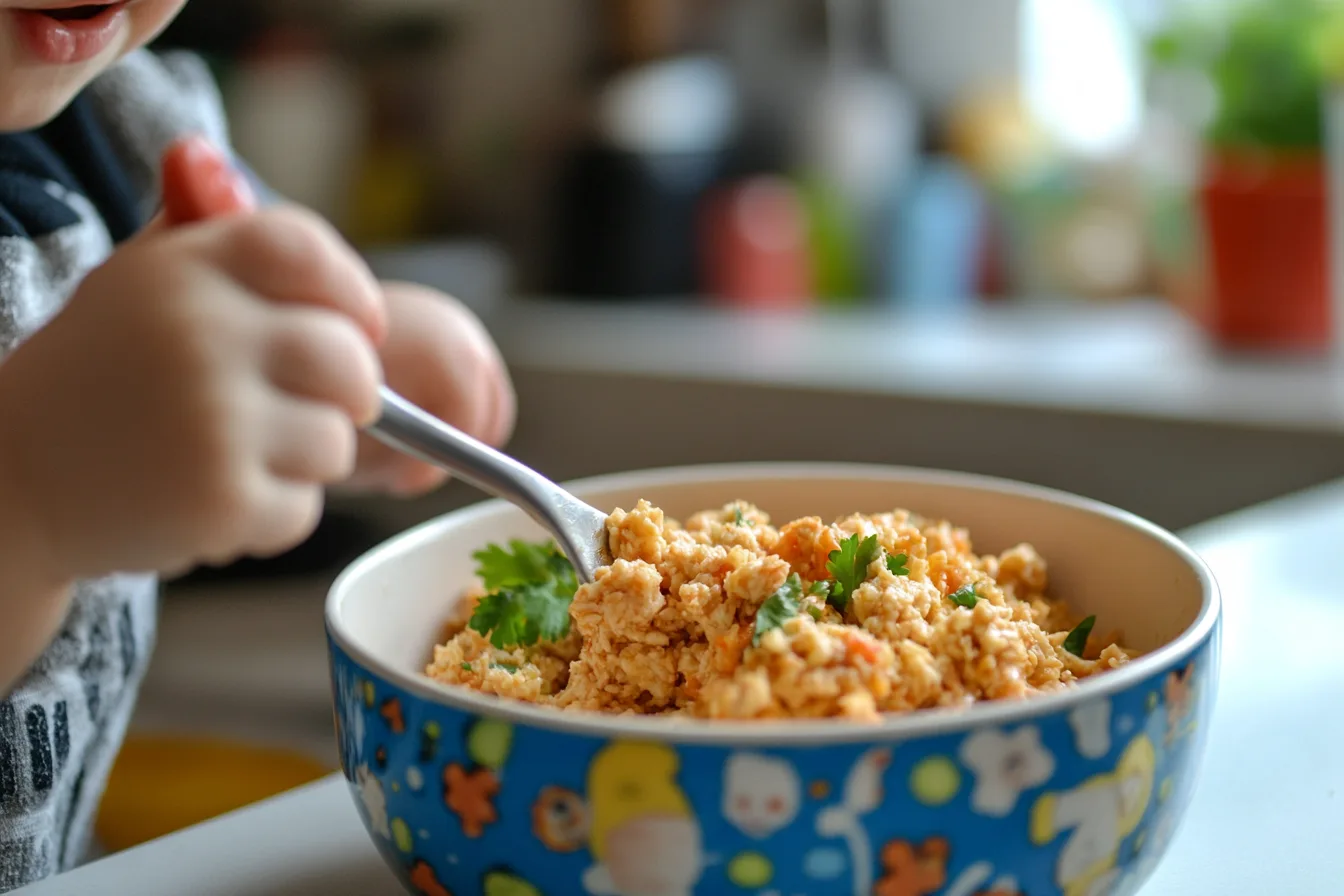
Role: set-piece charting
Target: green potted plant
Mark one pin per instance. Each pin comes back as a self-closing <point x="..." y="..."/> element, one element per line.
<point x="1263" y="197"/>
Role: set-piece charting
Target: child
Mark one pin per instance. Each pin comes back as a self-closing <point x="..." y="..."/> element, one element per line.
<point x="189" y="404"/>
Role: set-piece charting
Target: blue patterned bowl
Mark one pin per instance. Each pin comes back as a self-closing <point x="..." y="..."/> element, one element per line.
<point x="1075" y="793"/>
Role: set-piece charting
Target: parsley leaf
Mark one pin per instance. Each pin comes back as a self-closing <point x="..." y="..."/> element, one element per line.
<point x="507" y="667"/>
<point x="964" y="596"/>
<point x="819" y="589"/>
<point x="521" y="564"/>
<point x="896" y="565"/>
<point x="849" y="565"/>
<point x="531" y="588"/>
<point x="466" y="667"/>
<point x="1076" y="642"/>
<point x="815" y="612"/>
<point x="779" y="607"/>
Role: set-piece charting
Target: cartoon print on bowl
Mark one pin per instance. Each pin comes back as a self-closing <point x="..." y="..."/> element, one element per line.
<point x="1178" y="689"/>
<point x="1005" y="886"/>
<point x="751" y="870"/>
<point x="505" y="883"/>
<point x="560" y="819"/>
<point x="1101" y="812"/>
<point x="391" y="713"/>
<point x="862" y="794"/>
<point x="935" y="781"/>
<point x="401" y="835"/>
<point x="471" y="797"/>
<point x="373" y="799"/>
<point x="489" y="742"/>
<point x="1091" y="724"/>
<point x="761" y="795"/>
<point x="1005" y="765"/>
<point x="491" y="809"/>
<point x="425" y="881"/>
<point x="910" y="870"/>
<point x="971" y="882"/>
<point x="1134" y="880"/>
<point x="824" y="863"/>
<point x="429" y="741"/>
<point x="644" y="837"/>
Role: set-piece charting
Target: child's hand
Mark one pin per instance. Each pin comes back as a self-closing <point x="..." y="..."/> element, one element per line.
<point x="439" y="356"/>
<point x="195" y="396"/>
<point x="437" y="353"/>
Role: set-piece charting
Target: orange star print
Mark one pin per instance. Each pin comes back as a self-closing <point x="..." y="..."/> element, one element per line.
<point x="471" y="796"/>
<point x="426" y="882"/>
<point x="913" y="871"/>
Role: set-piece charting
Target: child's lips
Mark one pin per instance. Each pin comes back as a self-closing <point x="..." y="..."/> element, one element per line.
<point x="68" y="33"/>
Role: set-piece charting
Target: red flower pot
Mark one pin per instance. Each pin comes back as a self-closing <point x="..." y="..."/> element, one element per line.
<point x="1267" y="243"/>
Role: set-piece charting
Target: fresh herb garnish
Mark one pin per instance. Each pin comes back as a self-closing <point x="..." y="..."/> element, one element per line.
<point x="531" y="588"/>
<point x="964" y="596"/>
<point x="819" y="589"/>
<point x="849" y="564"/>
<point x="1076" y="642"/>
<point x="466" y="667"/>
<point x="779" y="607"/>
<point x="740" y="518"/>
<point x="522" y="563"/>
<point x="507" y="667"/>
<point x="815" y="612"/>
<point x="896" y="565"/>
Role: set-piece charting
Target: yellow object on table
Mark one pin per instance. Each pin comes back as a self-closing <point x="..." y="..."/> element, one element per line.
<point x="162" y="784"/>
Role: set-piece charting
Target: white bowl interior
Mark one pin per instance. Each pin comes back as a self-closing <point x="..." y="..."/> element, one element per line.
<point x="393" y="603"/>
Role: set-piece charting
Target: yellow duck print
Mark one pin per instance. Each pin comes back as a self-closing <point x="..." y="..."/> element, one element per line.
<point x="1101" y="812"/>
<point x="644" y="837"/>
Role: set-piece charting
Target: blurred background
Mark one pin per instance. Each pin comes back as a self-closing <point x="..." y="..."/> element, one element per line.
<point x="1092" y="244"/>
<point x="856" y="153"/>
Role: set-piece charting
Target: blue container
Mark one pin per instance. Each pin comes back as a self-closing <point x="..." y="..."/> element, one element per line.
<point x="1076" y="793"/>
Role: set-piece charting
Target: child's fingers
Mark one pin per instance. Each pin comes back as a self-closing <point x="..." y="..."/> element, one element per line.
<point x="283" y="253"/>
<point x="323" y="357"/>
<point x="311" y="442"/>
<point x="287" y="254"/>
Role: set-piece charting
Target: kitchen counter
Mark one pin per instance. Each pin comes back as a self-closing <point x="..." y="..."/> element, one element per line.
<point x="1266" y="817"/>
<point x="1134" y="358"/>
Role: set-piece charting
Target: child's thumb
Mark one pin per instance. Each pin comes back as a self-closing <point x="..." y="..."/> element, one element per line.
<point x="199" y="183"/>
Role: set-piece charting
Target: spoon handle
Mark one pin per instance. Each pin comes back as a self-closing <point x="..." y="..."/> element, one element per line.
<point x="579" y="530"/>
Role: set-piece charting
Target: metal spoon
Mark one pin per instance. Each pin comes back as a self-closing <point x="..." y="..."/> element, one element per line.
<point x="579" y="530"/>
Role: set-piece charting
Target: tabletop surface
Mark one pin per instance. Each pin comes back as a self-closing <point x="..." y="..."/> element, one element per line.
<point x="1268" y="815"/>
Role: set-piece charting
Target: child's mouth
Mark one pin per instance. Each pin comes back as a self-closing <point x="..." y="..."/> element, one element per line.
<point x="71" y="34"/>
<point x="78" y="13"/>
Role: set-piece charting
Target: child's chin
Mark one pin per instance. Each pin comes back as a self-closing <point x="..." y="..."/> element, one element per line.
<point x="30" y="99"/>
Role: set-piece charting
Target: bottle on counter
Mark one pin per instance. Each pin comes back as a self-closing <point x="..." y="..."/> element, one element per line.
<point x="857" y="142"/>
<point x="630" y="196"/>
<point x="754" y="245"/>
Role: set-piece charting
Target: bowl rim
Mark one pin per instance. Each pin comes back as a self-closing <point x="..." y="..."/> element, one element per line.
<point x="784" y="732"/>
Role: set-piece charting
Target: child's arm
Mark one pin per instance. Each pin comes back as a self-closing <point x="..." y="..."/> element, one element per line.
<point x="33" y="591"/>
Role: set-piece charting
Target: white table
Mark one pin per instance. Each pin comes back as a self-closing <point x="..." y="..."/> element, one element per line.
<point x="1268" y="816"/>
